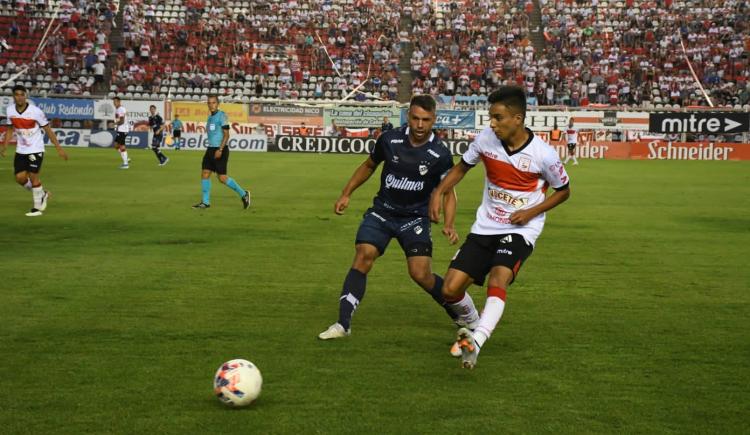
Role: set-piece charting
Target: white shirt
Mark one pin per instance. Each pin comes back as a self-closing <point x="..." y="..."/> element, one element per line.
<point x="122" y="113"/>
<point x="513" y="181"/>
<point x="28" y="128"/>
<point x="572" y="135"/>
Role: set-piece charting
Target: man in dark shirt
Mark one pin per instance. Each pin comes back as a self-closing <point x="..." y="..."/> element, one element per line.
<point x="386" y="125"/>
<point x="414" y="161"/>
<point x="156" y="123"/>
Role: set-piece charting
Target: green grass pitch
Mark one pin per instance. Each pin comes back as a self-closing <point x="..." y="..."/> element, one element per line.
<point x="117" y="305"/>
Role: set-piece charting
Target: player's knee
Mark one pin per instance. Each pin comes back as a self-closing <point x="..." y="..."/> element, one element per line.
<point x="453" y="291"/>
<point x="452" y="294"/>
<point x="421" y="276"/>
<point x="223" y="179"/>
<point x="21" y="178"/>
<point x="364" y="259"/>
<point x="363" y="265"/>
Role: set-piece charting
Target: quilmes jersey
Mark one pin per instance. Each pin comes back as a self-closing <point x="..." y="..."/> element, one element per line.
<point x="514" y="180"/>
<point x="214" y="125"/>
<point x="155" y="122"/>
<point x="28" y="126"/>
<point x="409" y="173"/>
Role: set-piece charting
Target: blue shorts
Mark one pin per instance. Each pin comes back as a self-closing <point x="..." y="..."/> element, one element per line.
<point x="413" y="233"/>
<point x="156" y="140"/>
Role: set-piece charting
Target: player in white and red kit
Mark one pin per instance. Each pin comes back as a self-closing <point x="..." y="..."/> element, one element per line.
<point x="519" y="168"/>
<point x="122" y="127"/>
<point x="572" y="136"/>
<point x="28" y="121"/>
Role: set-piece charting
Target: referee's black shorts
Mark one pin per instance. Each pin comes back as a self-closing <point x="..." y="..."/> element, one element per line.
<point x="211" y="163"/>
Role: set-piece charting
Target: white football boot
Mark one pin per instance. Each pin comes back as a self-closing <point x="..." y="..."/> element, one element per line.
<point x="334" y="331"/>
<point x="469" y="348"/>
<point x="456" y="348"/>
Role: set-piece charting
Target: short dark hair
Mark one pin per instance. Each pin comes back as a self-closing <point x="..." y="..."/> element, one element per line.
<point x="19" y="87"/>
<point x="512" y="97"/>
<point x="116" y="98"/>
<point x="213" y="96"/>
<point x="424" y="101"/>
<point x="152" y="106"/>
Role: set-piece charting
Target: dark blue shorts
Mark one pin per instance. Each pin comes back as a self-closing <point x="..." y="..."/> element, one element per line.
<point x="413" y="233"/>
<point x="156" y="140"/>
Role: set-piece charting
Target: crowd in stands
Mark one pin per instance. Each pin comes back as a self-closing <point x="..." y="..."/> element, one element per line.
<point x="469" y="46"/>
<point x="594" y="52"/>
<point x="630" y="53"/>
<point x="74" y="56"/>
<point x="277" y="49"/>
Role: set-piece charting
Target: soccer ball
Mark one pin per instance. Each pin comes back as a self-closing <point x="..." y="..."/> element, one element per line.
<point x="237" y="383"/>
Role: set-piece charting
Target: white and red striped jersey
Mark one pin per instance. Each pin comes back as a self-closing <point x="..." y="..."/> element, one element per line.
<point x="28" y="126"/>
<point x="121" y="112"/>
<point x="572" y="135"/>
<point x="514" y="180"/>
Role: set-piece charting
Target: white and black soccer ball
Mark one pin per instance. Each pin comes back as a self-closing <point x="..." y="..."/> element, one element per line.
<point x="237" y="383"/>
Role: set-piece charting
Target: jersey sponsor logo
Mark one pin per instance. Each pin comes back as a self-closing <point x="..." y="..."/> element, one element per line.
<point x="524" y="164"/>
<point x="433" y="153"/>
<point x="403" y="183"/>
<point x="423" y="170"/>
<point x="508" y="198"/>
<point x="498" y="219"/>
<point x="397" y="141"/>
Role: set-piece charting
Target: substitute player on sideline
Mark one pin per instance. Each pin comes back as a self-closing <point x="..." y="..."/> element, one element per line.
<point x="28" y="121"/>
<point x="414" y="161"/>
<point x="519" y="167"/>
<point x="156" y="122"/>
<point x="122" y="126"/>
<point x="216" y="157"/>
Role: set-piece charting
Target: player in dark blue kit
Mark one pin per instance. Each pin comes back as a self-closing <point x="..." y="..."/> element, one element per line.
<point x="414" y="161"/>
<point x="156" y="122"/>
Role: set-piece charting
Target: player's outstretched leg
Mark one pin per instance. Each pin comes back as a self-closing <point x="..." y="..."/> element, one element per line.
<point x="352" y="293"/>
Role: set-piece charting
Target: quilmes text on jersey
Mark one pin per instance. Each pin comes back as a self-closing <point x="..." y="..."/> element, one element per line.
<point x="403" y="183"/>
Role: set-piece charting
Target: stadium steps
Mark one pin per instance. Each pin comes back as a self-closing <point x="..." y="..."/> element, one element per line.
<point x="536" y="33"/>
<point x="404" y="65"/>
<point x="117" y="46"/>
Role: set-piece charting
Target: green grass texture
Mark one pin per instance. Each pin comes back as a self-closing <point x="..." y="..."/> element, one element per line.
<point x="118" y="305"/>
